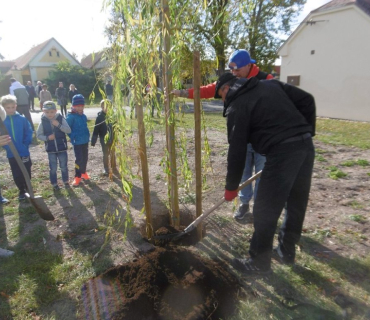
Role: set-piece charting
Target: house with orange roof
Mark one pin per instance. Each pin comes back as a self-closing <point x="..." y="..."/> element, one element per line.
<point x="38" y="62"/>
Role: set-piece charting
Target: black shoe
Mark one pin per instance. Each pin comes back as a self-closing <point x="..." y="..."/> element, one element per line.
<point x="22" y="197"/>
<point x="242" y="211"/>
<point x="248" y="266"/>
<point x="56" y="188"/>
<point x="281" y="255"/>
<point x="67" y="185"/>
<point x="105" y="173"/>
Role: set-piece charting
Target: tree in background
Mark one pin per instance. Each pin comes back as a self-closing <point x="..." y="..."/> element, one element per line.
<point x="260" y="25"/>
<point x="85" y="80"/>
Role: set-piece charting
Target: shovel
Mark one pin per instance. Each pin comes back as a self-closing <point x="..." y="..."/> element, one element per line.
<point x="204" y="215"/>
<point x="37" y="202"/>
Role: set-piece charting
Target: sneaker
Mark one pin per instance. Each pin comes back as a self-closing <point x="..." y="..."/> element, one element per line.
<point x="242" y="211"/>
<point x="105" y="173"/>
<point x="56" y="188"/>
<point x="22" y="197"/>
<point x="3" y="200"/>
<point x="76" y="182"/>
<point x="85" y="176"/>
<point x="283" y="257"/>
<point x="5" y="253"/>
<point x="67" y="185"/>
<point x="248" y="266"/>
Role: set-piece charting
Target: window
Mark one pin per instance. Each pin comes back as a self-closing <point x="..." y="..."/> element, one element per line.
<point x="49" y="53"/>
<point x="57" y="53"/>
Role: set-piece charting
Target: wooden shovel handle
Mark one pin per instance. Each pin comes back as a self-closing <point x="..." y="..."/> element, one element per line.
<point x="20" y="163"/>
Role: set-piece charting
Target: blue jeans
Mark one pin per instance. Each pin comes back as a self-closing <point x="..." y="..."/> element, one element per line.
<point x="258" y="161"/>
<point x="53" y="165"/>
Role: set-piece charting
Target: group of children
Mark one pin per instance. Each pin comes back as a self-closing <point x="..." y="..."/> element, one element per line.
<point x="53" y="129"/>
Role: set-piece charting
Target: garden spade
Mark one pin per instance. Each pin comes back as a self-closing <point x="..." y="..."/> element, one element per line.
<point x="204" y="215"/>
<point x="37" y="202"/>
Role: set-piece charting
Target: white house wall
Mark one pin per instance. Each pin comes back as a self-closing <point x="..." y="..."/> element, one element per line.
<point x="338" y="73"/>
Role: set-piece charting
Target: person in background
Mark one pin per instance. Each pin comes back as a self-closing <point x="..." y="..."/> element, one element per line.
<point x="19" y="91"/>
<point x="52" y="130"/>
<point x="279" y="121"/>
<point x="109" y="90"/>
<point x="38" y="89"/>
<point x="80" y="137"/>
<point x="72" y="91"/>
<point x="4" y="140"/>
<point x="241" y="66"/>
<point x="101" y="129"/>
<point x="62" y="97"/>
<point x="45" y="95"/>
<point x="31" y="95"/>
<point x="21" y="133"/>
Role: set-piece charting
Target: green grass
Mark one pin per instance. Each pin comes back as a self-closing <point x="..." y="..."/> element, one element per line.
<point x="351" y="163"/>
<point x="341" y="132"/>
<point x="335" y="173"/>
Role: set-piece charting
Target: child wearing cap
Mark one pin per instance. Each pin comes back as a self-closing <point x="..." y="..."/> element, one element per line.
<point x="101" y="129"/>
<point x="80" y="137"/>
<point x="52" y="130"/>
<point x="20" y="131"/>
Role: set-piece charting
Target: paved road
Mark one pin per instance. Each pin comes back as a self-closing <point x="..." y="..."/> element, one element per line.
<point x="208" y="106"/>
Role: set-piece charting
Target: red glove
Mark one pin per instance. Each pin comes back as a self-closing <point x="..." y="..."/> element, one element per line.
<point x="230" y="195"/>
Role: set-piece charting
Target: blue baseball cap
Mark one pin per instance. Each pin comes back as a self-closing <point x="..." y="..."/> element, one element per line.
<point x="241" y="58"/>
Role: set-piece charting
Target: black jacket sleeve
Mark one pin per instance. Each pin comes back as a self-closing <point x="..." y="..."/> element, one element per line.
<point x="96" y="131"/>
<point x="238" y="134"/>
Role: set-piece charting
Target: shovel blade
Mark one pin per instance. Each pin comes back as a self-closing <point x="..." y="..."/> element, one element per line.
<point x="41" y="207"/>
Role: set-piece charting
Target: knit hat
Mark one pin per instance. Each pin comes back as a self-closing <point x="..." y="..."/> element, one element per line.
<point x="241" y="58"/>
<point x="49" y="105"/>
<point x="78" y="100"/>
<point x="226" y="77"/>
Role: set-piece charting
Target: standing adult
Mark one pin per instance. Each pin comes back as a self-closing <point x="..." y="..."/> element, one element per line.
<point x="109" y="90"/>
<point x="31" y="95"/>
<point x="62" y="98"/>
<point x="19" y="91"/>
<point x="38" y="89"/>
<point x="72" y="91"/>
<point x="278" y="120"/>
<point x="242" y="66"/>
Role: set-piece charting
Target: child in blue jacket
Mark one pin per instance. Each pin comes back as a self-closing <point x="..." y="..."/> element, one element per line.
<point x="80" y="137"/>
<point x="20" y="131"/>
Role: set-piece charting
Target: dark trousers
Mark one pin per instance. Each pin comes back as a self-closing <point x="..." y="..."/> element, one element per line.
<point x="81" y="155"/>
<point x="31" y="103"/>
<point x="63" y="109"/>
<point x="286" y="178"/>
<point x="25" y="110"/>
<point x="108" y="154"/>
<point x="17" y="173"/>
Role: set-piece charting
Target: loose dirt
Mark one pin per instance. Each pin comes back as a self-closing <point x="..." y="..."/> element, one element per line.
<point x="168" y="283"/>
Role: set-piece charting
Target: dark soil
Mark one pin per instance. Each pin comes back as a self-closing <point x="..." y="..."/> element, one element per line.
<point x="169" y="235"/>
<point x="169" y="283"/>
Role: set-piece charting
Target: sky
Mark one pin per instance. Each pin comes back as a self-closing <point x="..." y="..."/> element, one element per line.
<point x="78" y="25"/>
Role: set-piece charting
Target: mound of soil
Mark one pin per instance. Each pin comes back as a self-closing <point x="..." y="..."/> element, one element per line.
<point x="168" y="236"/>
<point x="168" y="283"/>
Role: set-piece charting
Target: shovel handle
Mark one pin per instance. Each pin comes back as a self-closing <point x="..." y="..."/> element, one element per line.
<point x="205" y="214"/>
<point x="20" y="163"/>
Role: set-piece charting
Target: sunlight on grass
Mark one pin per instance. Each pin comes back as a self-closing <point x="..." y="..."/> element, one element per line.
<point x="341" y="132"/>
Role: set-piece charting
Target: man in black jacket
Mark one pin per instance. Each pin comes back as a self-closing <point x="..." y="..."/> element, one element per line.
<point x="278" y="120"/>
